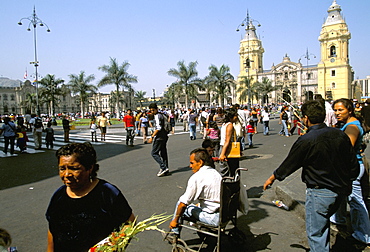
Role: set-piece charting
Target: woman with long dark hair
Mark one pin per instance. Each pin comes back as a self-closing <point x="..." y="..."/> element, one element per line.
<point x="228" y="135"/>
<point x="345" y="113"/>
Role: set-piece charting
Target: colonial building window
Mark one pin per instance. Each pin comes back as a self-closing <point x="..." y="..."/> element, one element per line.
<point x="309" y="76"/>
<point x="333" y="73"/>
<point x="12" y="97"/>
<point x="333" y="85"/>
<point x="5" y="97"/>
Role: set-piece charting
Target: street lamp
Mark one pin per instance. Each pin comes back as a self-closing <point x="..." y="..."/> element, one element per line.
<point x="249" y="27"/>
<point x="307" y="56"/>
<point x="33" y="22"/>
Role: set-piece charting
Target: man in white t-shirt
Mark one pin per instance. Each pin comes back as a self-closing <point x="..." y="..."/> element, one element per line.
<point x="203" y="186"/>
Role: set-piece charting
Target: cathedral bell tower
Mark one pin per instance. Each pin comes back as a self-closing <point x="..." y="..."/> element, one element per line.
<point x="250" y="53"/>
<point x="334" y="72"/>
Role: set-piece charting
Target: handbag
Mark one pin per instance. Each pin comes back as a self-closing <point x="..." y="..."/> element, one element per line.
<point x="234" y="148"/>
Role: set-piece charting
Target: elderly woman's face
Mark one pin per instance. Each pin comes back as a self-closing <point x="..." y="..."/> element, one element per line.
<point x="73" y="174"/>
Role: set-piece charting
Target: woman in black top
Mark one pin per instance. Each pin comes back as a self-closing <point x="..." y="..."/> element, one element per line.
<point x="85" y="209"/>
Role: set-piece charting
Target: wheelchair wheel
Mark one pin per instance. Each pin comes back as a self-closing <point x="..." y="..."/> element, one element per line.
<point x="178" y="248"/>
<point x="236" y="236"/>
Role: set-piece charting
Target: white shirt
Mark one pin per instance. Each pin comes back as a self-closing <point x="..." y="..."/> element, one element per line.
<point x="205" y="186"/>
<point x="265" y="116"/>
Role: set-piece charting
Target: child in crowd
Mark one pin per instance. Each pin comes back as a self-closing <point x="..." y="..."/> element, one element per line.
<point x="49" y="138"/>
<point x="250" y="132"/>
<point x="22" y="139"/>
<point x="213" y="133"/>
<point x="93" y="127"/>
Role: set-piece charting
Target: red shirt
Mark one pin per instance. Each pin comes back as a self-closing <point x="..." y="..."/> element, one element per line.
<point x="129" y="121"/>
<point x="250" y="129"/>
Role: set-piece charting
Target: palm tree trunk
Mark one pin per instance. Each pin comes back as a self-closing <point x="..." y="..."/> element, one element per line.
<point x="117" y="103"/>
<point x="82" y="107"/>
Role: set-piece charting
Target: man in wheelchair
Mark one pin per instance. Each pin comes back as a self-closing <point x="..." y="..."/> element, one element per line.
<point x="204" y="185"/>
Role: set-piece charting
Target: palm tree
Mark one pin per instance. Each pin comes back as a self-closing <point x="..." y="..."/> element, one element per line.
<point x="140" y="97"/>
<point x="186" y="79"/>
<point x="245" y="89"/>
<point x="221" y="81"/>
<point x="79" y="84"/>
<point x="265" y="87"/>
<point x="51" y="90"/>
<point x="117" y="75"/>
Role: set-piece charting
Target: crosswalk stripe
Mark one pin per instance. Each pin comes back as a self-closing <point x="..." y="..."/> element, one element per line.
<point x="75" y="138"/>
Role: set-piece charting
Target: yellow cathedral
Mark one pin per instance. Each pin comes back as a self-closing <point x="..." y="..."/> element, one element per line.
<point x="298" y="81"/>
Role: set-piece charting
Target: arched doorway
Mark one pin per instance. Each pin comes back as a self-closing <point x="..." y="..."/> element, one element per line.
<point x="286" y="96"/>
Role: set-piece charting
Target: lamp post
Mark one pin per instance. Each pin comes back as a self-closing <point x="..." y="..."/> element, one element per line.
<point x="33" y="22"/>
<point x="307" y="56"/>
<point x="249" y="27"/>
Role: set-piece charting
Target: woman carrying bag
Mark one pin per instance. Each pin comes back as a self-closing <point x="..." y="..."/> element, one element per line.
<point x="229" y="164"/>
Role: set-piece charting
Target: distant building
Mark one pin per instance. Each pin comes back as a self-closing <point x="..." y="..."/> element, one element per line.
<point x="332" y="77"/>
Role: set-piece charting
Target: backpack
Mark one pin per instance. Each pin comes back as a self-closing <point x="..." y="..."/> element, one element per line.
<point x="166" y="124"/>
<point x="38" y="123"/>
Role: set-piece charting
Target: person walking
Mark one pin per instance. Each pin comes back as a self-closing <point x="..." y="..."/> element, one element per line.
<point x="49" y="138"/>
<point x="36" y="122"/>
<point x="129" y="124"/>
<point x="250" y="133"/>
<point x="284" y="120"/>
<point x="329" y="165"/>
<point x="265" y="117"/>
<point x="66" y="129"/>
<point x="228" y="166"/>
<point x="159" y="139"/>
<point x="103" y="122"/>
<point x="144" y="125"/>
<point x="254" y="117"/>
<point x="9" y="130"/>
<point x="93" y="128"/>
<point x="345" y="112"/>
<point x="193" y="121"/>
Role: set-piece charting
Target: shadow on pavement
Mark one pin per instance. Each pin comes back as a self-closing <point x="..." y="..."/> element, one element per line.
<point x="30" y="168"/>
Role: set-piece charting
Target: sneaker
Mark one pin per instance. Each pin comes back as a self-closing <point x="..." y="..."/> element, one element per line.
<point x="171" y="238"/>
<point x="162" y="173"/>
<point x="191" y="138"/>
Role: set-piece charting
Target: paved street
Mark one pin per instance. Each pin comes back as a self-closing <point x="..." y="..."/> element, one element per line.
<point x="28" y="181"/>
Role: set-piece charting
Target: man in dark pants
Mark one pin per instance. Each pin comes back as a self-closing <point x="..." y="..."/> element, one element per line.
<point x="329" y="167"/>
<point x="159" y="139"/>
<point x="66" y="128"/>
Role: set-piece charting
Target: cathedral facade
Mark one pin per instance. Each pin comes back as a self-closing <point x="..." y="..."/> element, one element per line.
<point x="298" y="82"/>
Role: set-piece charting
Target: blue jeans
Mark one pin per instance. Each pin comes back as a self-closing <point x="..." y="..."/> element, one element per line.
<point x="359" y="214"/>
<point x="284" y="128"/>
<point x="195" y="214"/>
<point x="266" y="127"/>
<point x="137" y="128"/>
<point x="159" y="152"/>
<point x="320" y="205"/>
<point x="193" y="130"/>
<point x="250" y="137"/>
<point x="130" y="135"/>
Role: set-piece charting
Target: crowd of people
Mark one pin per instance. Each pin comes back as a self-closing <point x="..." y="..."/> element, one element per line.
<point x="329" y="150"/>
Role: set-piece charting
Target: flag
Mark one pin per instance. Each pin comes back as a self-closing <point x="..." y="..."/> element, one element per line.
<point x="25" y="74"/>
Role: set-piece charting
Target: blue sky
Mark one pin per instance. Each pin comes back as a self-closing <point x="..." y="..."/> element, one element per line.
<point x="154" y="35"/>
